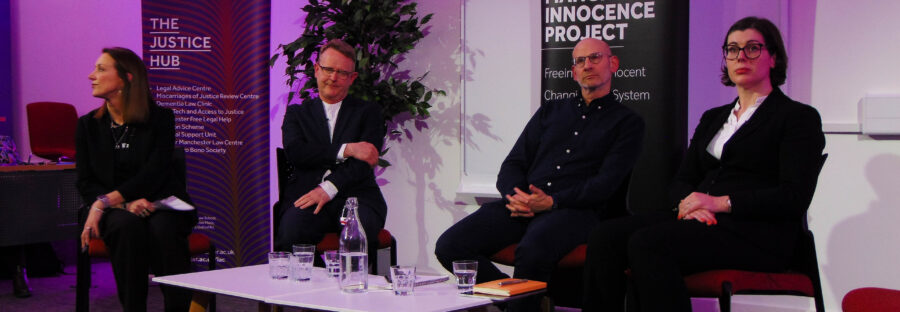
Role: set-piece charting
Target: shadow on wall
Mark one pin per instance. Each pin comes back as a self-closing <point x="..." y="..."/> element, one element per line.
<point x="424" y="161"/>
<point x="849" y="265"/>
<point x="415" y="142"/>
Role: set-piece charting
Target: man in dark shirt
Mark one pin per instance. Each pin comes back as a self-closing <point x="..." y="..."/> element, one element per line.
<point x="558" y="178"/>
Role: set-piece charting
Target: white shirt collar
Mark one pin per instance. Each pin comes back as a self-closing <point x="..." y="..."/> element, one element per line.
<point x="717" y="144"/>
<point x="331" y="114"/>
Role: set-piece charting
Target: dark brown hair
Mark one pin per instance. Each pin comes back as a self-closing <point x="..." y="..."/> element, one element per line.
<point x="773" y="43"/>
<point x="136" y="95"/>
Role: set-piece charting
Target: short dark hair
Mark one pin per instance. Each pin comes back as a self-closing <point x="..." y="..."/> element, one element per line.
<point x="136" y="94"/>
<point x="341" y="47"/>
<point x="773" y="43"/>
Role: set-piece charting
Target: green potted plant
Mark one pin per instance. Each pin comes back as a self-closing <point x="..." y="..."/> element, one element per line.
<point x="382" y="32"/>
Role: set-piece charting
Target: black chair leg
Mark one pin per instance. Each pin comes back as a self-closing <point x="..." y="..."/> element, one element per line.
<point x="393" y="250"/>
<point x="212" y="266"/>
<point x="82" y="281"/>
<point x="820" y="301"/>
<point x="725" y="298"/>
<point x="373" y="263"/>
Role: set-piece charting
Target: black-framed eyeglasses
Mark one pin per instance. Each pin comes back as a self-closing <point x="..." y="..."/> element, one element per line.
<point x="593" y="57"/>
<point x="752" y="51"/>
<point x="343" y="74"/>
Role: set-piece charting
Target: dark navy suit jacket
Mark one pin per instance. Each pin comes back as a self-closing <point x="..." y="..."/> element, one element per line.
<point x="311" y="152"/>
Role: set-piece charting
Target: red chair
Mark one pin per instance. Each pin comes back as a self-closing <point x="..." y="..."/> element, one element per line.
<point x="566" y="286"/>
<point x="51" y="130"/>
<point x="385" y="240"/>
<point x="330" y="241"/>
<point x="801" y="279"/>
<point x="871" y="299"/>
<point x="197" y="244"/>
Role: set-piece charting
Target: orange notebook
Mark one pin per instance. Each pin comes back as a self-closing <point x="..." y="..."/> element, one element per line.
<point x="508" y="287"/>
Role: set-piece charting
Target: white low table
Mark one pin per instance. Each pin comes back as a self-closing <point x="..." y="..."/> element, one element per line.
<point x="435" y="297"/>
<point x="250" y="282"/>
<point x="320" y="292"/>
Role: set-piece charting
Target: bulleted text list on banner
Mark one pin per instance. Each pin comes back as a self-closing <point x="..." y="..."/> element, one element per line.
<point x="208" y="62"/>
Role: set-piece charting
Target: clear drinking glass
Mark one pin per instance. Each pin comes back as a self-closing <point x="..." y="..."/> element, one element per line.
<point x="465" y="271"/>
<point x="278" y="264"/>
<point x="332" y="262"/>
<point x="403" y="279"/>
<point x="302" y="262"/>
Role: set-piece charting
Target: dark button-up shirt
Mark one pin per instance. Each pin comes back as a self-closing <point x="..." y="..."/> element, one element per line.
<point x="577" y="153"/>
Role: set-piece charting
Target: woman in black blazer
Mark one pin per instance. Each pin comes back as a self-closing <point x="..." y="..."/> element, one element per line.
<point x="123" y="159"/>
<point x="739" y="197"/>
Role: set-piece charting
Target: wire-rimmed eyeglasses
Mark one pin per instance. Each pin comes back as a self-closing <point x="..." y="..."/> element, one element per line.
<point x="593" y="57"/>
<point x="343" y="74"/>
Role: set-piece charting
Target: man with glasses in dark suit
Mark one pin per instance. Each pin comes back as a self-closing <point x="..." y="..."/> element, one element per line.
<point x="333" y="142"/>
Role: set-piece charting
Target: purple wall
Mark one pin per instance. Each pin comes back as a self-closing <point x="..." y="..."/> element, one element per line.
<point x="54" y="46"/>
<point x="5" y="85"/>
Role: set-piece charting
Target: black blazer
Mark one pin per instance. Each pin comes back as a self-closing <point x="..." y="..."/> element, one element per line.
<point x="308" y="148"/>
<point x="769" y="168"/>
<point x="151" y="145"/>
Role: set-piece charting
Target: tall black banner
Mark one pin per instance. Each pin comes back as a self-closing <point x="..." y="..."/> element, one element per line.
<point x="650" y="39"/>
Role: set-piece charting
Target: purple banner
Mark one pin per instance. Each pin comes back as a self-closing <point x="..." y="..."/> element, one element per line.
<point x="208" y="61"/>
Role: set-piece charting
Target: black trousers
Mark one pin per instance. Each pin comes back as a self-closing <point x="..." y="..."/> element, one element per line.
<point x="157" y="243"/>
<point x="301" y="226"/>
<point x="543" y="240"/>
<point x="660" y="251"/>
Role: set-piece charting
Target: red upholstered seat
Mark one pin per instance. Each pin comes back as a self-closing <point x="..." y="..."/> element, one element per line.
<point x="506" y="255"/>
<point x="330" y="241"/>
<point x="385" y="240"/>
<point x="564" y="287"/>
<point x="198" y="244"/>
<point x="709" y="283"/>
<point x="871" y="299"/>
<point x="574" y="259"/>
<point x="51" y="129"/>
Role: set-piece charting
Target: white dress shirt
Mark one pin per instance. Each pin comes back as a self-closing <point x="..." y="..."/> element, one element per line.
<point x="331" y="113"/>
<point x="731" y="126"/>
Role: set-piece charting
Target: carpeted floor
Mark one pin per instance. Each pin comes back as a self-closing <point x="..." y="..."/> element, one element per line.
<point x="51" y="294"/>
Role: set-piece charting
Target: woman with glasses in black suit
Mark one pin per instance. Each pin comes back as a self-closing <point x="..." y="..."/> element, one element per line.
<point x="739" y="197"/>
